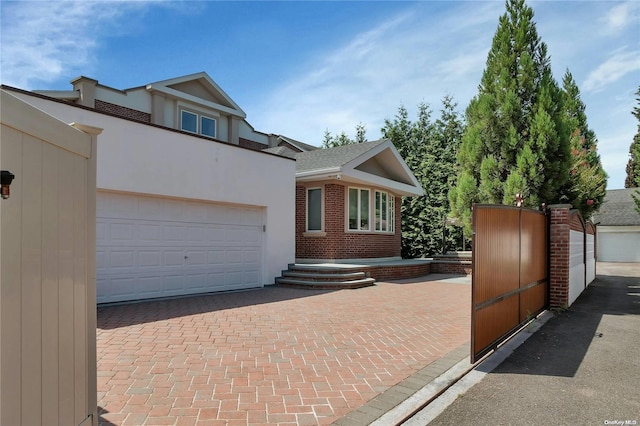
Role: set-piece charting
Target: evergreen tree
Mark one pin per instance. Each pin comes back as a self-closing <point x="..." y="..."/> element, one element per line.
<point x="633" y="166"/>
<point x="587" y="182"/>
<point x="330" y="141"/>
<point x="515" y="140"/>
<point x="429" y="149"/>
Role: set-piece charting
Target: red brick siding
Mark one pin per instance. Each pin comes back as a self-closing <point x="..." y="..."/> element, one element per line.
<point x="577" y="223"/>
<point x="451" y="268"/>
<point x="338" y="244"/>
<point x="382" y="273"/>
<point x="122" y="111"/>
<point x="256" y="146"/>
<point x="559" y="257"/>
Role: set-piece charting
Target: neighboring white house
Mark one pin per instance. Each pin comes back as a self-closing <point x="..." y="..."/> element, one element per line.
<point x="183" y="206"/>
<point x="618" y="227"/>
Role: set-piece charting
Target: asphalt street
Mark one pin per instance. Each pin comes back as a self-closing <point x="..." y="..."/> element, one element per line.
<point x="581" y="368"/>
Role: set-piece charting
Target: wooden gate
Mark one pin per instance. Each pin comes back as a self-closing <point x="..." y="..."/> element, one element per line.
<point x="510" y="275"/>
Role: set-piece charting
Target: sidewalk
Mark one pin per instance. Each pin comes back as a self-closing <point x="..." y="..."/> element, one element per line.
<point x="581" y="368"/>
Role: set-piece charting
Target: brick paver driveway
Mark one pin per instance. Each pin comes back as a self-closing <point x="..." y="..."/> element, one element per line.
<point x="271" y="356"/>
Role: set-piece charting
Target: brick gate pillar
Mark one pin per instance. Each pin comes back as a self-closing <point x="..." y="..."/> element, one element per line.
<point x="559" y="255"/>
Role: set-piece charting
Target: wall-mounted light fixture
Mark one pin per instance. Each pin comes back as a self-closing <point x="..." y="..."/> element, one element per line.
<point x="6" y="177"/>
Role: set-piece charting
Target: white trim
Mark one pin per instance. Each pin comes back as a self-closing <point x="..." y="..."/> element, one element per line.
<point x="199" y="116"/>
<point x="390" y="212"/>
<point x="199" y="101"/>
<point x="359" y="209"/>
<point x="161" y="86"/>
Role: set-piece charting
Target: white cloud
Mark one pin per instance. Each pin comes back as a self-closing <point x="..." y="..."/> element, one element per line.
<point x="43" y="41"/>
<point x="413" y="57"/>
<point x="617" y="65"/>
<point x="620" y="17"/>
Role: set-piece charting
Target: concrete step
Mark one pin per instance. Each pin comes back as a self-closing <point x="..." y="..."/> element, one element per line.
<point x="315" y="276"/>
<point x="325" y="285"/>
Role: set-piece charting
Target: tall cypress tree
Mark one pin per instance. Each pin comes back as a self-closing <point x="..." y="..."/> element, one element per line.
<point x="587" y="182"/>
<point x="633" y="166"/>
<point x="516" y="140"/>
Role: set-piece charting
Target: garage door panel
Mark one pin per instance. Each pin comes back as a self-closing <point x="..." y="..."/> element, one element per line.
<point x="153" y="247"/>
<point x="618" y="247"/>
<point x="122" y="259"/>
<point x="121" y="231"/>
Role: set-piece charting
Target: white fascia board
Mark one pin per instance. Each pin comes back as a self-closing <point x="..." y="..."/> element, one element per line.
<point x="383" y="183"/>
<point x="351" y="165"/>
<point x="199" y="101"/>
<point x="316" y="174"/>
<point x="198" y="76"/>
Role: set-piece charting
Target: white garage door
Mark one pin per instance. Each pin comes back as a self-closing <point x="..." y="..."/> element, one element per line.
<point x="155" y="247"/>
<point x="618" y="247"/>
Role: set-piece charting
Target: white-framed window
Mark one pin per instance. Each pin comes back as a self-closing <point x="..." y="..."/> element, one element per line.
<point x="385" y="212"/>
<point x="314" y="209"/>
<point x="359" y="209"/>
<point x="197" y="123"/>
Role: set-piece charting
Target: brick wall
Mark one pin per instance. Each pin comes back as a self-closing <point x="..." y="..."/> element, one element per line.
<point x="338" y="243"/>
<point x="559" y="247"/>
<point x="451" y="268"/>
<point x="122" y="111"/>
<point x="382" y="273"/>
<point x="256" y="146"/>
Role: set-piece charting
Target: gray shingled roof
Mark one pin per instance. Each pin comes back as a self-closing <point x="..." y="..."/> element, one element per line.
<point x="282" y="151"/>
<point x="332" y="157"/>
<point x="618" y="209"/>
<point x="300" y="145"/>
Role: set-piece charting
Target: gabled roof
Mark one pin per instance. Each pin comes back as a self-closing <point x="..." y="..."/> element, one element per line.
<point x="198" y="88"/>
<point x="618" y="209"/>
<point x="376" y="163"/>
<point x="300" y="145"/>
<point x="283" y="151"/>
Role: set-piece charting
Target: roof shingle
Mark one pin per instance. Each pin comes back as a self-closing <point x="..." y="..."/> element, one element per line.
<point x="618" y="209"/>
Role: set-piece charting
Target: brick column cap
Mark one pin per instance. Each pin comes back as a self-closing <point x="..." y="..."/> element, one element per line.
<point x="560" y="206"/>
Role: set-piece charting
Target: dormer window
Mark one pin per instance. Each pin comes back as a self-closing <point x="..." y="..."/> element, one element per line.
<point x="197" y="123"/>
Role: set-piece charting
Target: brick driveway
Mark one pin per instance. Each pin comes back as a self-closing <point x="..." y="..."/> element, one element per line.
<point x="272" y="356"/>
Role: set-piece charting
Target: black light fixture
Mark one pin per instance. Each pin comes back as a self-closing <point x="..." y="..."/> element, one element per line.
<point x="6" y="177"/>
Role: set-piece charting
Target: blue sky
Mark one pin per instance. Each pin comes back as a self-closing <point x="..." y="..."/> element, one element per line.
<point x="300" y="68"/>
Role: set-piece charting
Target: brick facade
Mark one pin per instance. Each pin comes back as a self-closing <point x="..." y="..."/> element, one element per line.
<point x="559" y="255"/>
<point x="336" y="242"/>
<point x="256" y="146"/>
<point x="121" y="111"/>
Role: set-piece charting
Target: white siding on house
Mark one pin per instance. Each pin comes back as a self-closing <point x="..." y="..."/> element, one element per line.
<point x="576" y="265"/>
<point x="138" y="99"/>
<point x="141" y="159"/>
<point x="591" y="259"/>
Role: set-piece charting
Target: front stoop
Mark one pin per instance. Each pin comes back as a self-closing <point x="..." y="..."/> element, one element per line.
<point x="324" y="277"/>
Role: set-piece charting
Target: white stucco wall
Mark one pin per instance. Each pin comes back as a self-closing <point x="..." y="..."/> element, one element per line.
<point x="138" y="158"/>
<point x="245" y="131"/>
<point x="138" y="99"/>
